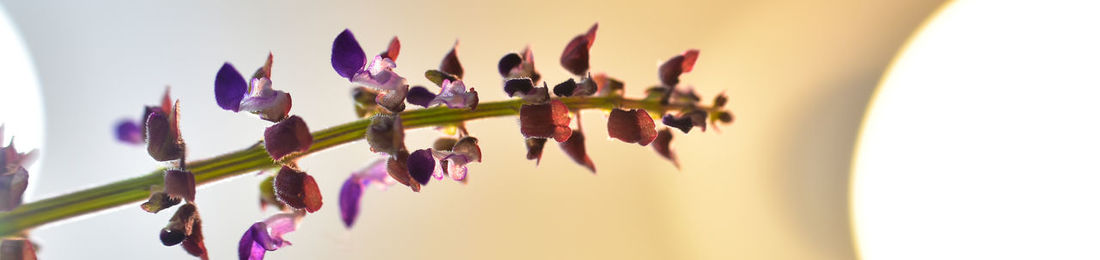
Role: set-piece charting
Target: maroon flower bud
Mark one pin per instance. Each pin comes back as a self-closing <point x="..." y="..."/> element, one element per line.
<point x="159" y="200"/>
<point x="534" y="149"/>
<point x="516" y="65"/>
<point x="194" y="244"/>
<point x="550" y="120"/>
<point x="575" y="56"/>
<point x="386" y="134"/>
<point x="288" y="137"/>
<point x="670" y="71"/>
<point x="17" y="249"/>
<point x="297" y="189"/>
<point x="661" y="145"/>
<point x="13" y="182"/>
<point x="444" y="143"/>
<point x="566" y="88"/>
<point x="518" y="86"/>
<point x="574" y="147"/>
<point x="180" y="226"/>
<point x="685" y="121"/>
<point x="450" y="63"/>
<point x="179" y="184"/>
<point x="163" y="131"/>
<point x="634" y="126"/>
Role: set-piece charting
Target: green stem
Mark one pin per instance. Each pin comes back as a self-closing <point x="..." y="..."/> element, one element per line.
<point x="255" y="158"/>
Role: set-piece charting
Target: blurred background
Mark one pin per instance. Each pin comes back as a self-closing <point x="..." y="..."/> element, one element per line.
<point x="774" y="185"/>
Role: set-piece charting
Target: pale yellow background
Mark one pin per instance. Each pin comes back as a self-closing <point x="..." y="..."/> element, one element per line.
<point x="771" y="186"/>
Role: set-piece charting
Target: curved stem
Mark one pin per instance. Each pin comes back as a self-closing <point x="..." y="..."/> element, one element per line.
<point x="255" y="158"/>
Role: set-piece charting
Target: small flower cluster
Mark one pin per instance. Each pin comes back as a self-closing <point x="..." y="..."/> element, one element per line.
<point x="380" y="93"/>
<point x="160" y="132"/>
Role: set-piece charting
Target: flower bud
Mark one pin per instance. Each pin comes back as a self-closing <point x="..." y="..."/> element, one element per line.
<point x="386" y="134"/>
<point x="164" y="139"/>
<point x="575" y="56"/>
<point x="288" y="137"/>
<point x="574" y="147"/>
<point x="297" y="189"/>
<point x="450" y="63"/>
<point x="545" y="120"/>
<point x="634" y="126"/>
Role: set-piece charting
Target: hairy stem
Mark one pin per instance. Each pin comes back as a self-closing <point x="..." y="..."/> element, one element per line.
<point x="255" y="158"/>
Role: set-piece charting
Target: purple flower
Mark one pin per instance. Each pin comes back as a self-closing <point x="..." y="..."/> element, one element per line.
<point x="634" y="126"/>
<point x="288" y="137"/>
<point x="670" y="71"/>
<point x="575" y="56"/>
<point x="297" y="189"/>
<point x="465" y="151"/>
<point x="267" y="235"/>
<point x="375" y="175"/>
<point x="516" y="65"/>
<point x="349" y="60"/>
<point x="129" y="132"/>
<point x="257" y="97"/>
<point x="454" y="95"/>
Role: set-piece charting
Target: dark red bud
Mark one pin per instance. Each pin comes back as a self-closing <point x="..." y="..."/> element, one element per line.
<point x="288" y="137"/>
<point x="634" y="126"/>
<point x="297" y="189"/>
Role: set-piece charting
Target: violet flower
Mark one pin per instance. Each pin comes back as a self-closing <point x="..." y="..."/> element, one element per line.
<point x="349" y="60"/>
<point x="374" y="175"/>
<point x="267" y="235"/>
<point x="454" y="95"/>
<point x="256" y="96"/>
<point x="465" y="151"/>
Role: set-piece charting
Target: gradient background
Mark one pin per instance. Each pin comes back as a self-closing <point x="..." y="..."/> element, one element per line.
<point x="772" y="186"/>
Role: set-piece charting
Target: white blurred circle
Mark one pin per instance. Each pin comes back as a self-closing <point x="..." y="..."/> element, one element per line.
<point x="983" y="140"/>
<point x="21" y="110"/>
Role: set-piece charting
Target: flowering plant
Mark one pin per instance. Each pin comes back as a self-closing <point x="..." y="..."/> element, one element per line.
<point x="381" y="96"/>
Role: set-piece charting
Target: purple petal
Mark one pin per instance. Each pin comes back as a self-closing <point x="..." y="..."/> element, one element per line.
<point x="348" y="57"/>
<point x="682" y="123"/>
<point x="229" y="88"/>
<point x="518" y="86"/>
<point x="420" y="96"/>
<point x="350" y="194"/>
<point x="129" y="132"/>
<point x="280" y="224"/>
<point x="248" y="248"/>
<point x="566" y="88"/>
<point x="508" y="62"/>
<point x="421" y="165"/>
<point x="287" y="137"/>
